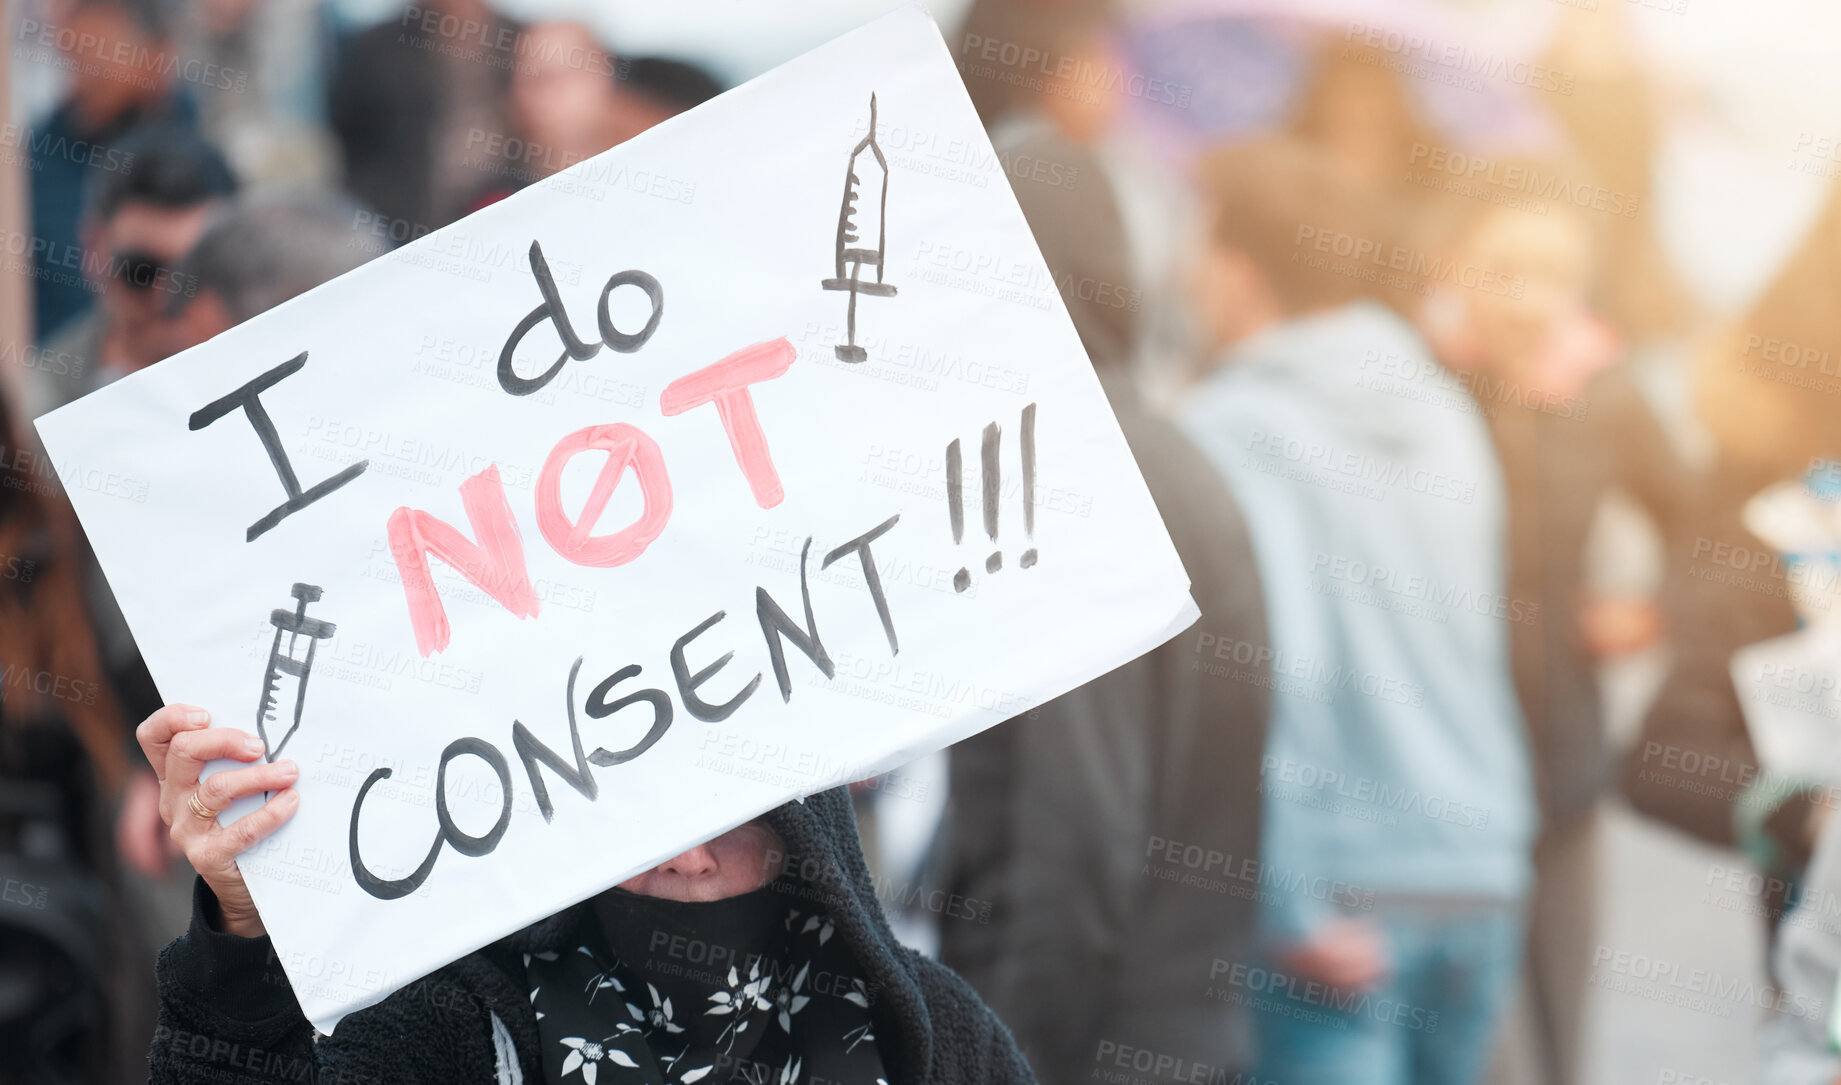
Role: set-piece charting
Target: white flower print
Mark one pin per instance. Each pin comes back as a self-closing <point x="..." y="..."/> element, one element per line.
<point x="789" y="1074"/>
<point x="739" y="1001"/>
<point x="788" y="1001"/>
<point x="820" y="923"/>
<point x="860" y="1034"/>
<point x="586" y="1055"/>
<point x="658" y="1017"/>
<point x="742" y="997"/>
<point x="603" y="980"/>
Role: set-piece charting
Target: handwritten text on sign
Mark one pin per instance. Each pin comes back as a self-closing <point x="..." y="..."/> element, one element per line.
<point x="494" y="613"/>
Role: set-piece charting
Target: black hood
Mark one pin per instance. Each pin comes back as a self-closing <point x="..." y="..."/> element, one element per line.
<point x="824" y="864"/>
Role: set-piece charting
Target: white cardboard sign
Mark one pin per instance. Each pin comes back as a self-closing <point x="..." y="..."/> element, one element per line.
<point x="752" y="457"/>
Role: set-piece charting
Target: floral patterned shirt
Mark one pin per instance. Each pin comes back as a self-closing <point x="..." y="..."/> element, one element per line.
<point x="751" y="989"/>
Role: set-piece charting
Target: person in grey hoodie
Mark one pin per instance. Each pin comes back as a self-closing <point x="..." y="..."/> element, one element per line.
<point x="1396" y="762"/>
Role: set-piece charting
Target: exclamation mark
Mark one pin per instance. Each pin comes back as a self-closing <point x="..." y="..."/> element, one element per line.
<point x="955" y="507"/>
<point x="1028" y="441"/>
<point x="993" y="490"/>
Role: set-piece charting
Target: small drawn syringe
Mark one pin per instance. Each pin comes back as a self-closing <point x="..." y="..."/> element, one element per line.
<point x="858" y="228"/>
<point x="284" y="686"/>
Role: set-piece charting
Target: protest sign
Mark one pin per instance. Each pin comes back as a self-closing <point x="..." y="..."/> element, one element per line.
<point x="752" y="457"/>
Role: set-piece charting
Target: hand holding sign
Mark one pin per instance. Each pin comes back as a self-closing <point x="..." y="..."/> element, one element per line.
<point x="178" y="746"/>
<point x="567" y="634"/>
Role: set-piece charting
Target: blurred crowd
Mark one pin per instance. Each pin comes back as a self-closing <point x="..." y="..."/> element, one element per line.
<point x="1387" y="315"/>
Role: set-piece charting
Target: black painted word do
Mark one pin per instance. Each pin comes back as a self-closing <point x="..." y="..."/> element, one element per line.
<point x="552" y="310"/>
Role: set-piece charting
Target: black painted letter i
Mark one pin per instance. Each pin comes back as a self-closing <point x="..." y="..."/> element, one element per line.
<point x="249" y="398"/>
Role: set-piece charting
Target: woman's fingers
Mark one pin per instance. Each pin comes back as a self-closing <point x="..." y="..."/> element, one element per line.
<point x="214" y="854"/>
<point x="178" y="740"/>
<point x="220" y="789"/>
<point x="188" y="751"/>
<point x="156" y="731"/>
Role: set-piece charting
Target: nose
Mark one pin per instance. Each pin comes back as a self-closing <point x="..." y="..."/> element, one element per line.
<point x="698" y="862"/>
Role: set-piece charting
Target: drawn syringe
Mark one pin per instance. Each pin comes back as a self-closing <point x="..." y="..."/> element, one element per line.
<point x="859" y="222"/>
<point x="284" y="686"/>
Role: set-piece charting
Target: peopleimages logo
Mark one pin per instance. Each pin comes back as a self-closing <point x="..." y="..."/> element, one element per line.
<point x="1284" y="988"/>
<point x="1527" y="179"/>
<point x="1322" y="676"/>
<point x="1200" y="861"/>
<point x="1372" y="793"/>
<point x="1120" y="1064"/>
<point x="1472" y="391"/>
<point x="1459" y="58"/>
<point x="1024" y="63"/>
<point x="1359" y="466"/>
<point x="1804" y="580"/>
<point x="122" y="60"/>
<point x="1666" y="981"/>
<point x="1424" y="588"/>
<point x="41" y="145"/>
<point x="1789" y="354"/>
<point x="1410" y="268"/>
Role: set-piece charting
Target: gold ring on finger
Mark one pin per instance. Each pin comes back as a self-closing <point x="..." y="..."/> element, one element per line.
<point x="199" y="809"/>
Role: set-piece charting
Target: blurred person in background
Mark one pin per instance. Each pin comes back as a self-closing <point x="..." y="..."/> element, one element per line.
<point x="118" y="62"/>
<point x="564" y="98"/>
<point x="1613" y="123"/>
<point x="1056" y="818"/>
<point x="1363" y="119"/>
<point x="262" y="92"/>
<point x="267" y="247"/>
<point x="413" y="101"/>
<point x="1045" y="71"/>
<point x="74" y="972"/>
<point x="1045" y="74"/>
<point x="1065" y="36"/>
<point x="1568" y="427"/>
<point x="136" y="225"/>
<point x="1396" y="764"/>
<point x="571" y="99"/>
<point x="652" y="90"/>
<point x="1764" y="390"/>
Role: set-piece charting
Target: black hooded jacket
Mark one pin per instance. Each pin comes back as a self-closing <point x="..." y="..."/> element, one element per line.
<point x="227" y="1013"/>
<point x="1114" y="831"/>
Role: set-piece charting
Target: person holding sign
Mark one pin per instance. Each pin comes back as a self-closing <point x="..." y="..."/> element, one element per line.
<point x="761" y="955"/>
<point x="757" y="953"/>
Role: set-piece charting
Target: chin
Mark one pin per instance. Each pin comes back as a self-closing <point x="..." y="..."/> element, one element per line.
<point x="695" y="892"/>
